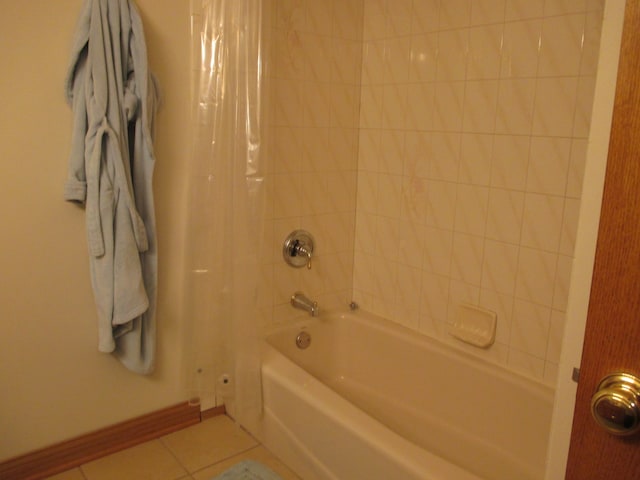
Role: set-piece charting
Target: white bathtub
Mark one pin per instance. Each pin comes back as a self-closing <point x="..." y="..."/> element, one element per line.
<point x="369" y="399"/>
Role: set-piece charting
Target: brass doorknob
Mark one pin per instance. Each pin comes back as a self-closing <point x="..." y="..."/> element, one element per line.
<point x="616" y="404"/>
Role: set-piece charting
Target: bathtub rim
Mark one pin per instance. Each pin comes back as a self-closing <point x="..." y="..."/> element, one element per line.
<point x="414" y="337"/>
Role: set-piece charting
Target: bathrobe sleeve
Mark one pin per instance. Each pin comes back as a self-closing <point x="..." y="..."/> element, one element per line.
<point x="75" y="188"/>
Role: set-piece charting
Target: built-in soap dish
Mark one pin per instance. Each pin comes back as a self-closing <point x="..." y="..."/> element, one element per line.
<point x="474" y="325"/>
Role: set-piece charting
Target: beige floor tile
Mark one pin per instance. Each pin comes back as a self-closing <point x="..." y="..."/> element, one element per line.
<point x="74" y="474"/>
<point x="259" y="454"/>
<point x="208" y="442"/>
<point x="147" y="461"/>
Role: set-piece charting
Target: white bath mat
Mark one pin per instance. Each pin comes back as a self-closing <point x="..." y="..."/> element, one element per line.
<point x="248" y="470"/>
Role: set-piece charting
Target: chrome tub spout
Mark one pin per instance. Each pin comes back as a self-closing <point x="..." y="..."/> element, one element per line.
<point x="299" y="300"/>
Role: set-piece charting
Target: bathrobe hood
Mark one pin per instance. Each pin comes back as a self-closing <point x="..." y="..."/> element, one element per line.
<point x="114" y="98"/>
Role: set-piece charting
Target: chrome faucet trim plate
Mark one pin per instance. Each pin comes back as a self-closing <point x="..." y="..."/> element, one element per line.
<point x="298" y="249"/>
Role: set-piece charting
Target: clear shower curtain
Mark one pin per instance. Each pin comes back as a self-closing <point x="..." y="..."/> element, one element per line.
<point x="226" y="206"/>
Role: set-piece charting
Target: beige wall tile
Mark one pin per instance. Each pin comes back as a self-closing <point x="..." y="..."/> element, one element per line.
<point x="485" y="51"/>
<point x="519" y="9"/>
<point x="561" y="45"/>
<point x="548" y="165"/>
<point x="530" y="328"/>
<point x="515" y="106"/>
<point x="536" y="275"/>
<point x="455" y="14"/>
<point x="504" y="215"/>
<point x="425" y="16"/>
<point x="487" y="12"/>
<point x="521" y="48"/>
<point x="555" y="106"/>
<point x="500" y="266"/>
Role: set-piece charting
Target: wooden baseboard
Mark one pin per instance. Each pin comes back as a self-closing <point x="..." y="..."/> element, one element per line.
<point x="213" y="412"/>
<point x="73" y="453"/>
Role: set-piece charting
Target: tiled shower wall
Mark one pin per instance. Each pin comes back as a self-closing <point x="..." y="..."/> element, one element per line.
<point x="474" y="119"/>
<point x="313" y="68"/>
<point x="446" y="141"/>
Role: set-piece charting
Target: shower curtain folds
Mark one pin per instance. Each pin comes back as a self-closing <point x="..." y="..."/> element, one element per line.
<point x="227" y="187"/>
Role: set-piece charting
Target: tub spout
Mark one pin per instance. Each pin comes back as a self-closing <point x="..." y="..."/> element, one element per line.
<point x="299" y="300"/>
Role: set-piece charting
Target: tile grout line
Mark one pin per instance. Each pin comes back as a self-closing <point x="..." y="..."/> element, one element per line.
<point x="226" y="458"/>
<point x="172" y="453"/>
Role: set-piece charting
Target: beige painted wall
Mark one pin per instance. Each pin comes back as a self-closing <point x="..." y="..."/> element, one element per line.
<point x="53" y="382"/>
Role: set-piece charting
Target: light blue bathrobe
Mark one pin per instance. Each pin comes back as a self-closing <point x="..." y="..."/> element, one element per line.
<point x="114" y="98"/>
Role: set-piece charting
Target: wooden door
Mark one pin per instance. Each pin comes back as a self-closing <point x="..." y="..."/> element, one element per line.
<point x="612" y="339"/>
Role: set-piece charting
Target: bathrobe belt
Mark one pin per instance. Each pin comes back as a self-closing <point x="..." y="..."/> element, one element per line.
<point x="94" y="226"/>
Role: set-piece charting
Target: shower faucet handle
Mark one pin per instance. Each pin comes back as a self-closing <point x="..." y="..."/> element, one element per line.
<point x="303" y="251"/>
<point x="298" y="249"/>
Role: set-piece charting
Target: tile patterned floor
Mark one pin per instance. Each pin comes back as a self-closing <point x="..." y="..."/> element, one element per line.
<point x="199" y="452"/>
